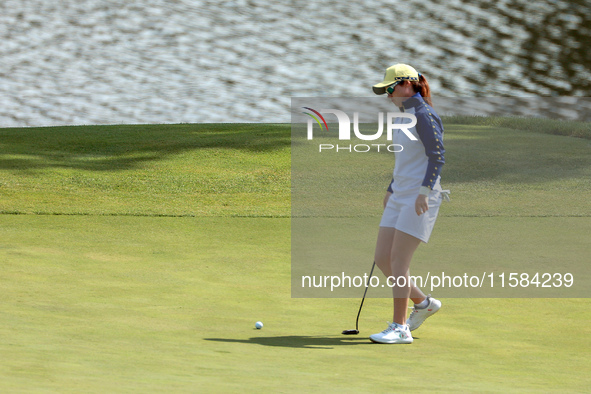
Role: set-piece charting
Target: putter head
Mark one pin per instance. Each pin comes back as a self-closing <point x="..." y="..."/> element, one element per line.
<point x="350" y="332"/>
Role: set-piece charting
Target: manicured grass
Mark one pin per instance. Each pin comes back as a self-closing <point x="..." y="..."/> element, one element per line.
<point x="142" y="256"/>
<point x="472" y="246"/>
<point x="119" y="304"/>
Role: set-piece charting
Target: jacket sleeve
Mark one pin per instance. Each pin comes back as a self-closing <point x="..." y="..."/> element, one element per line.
<point x="430" y="131"/>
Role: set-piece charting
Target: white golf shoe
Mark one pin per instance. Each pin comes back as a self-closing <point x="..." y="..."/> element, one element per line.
<point x="395" y="333"/>
<point x="418" y="316"/>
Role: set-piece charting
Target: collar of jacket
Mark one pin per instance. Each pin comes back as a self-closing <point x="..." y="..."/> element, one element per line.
<point x="413" y="101"/>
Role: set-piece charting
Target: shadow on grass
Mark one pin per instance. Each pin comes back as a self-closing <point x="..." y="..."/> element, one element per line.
<point x="300" y="341"/>
<point x="125" y="147"/>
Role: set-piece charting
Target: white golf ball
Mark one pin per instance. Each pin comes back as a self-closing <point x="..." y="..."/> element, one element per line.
<point x="258" y="325"/>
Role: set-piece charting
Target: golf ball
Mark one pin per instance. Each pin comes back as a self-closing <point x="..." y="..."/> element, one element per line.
<point x="258" y="325"/>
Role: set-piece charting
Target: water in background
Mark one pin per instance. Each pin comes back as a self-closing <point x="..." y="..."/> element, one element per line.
<point x="174" y="61"/>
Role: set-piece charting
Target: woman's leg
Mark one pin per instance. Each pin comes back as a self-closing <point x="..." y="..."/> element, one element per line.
<point x="403" y="248"/>
<point x="383" y="259"/>
<point x="384" y="249"/>
<point x="416" y="295"/>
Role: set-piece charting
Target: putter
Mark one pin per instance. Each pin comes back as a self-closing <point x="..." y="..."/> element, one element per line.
<point x="356" y="330"/>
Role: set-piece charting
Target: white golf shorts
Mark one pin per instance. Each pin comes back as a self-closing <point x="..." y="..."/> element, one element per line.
<point x="400" y="214"/>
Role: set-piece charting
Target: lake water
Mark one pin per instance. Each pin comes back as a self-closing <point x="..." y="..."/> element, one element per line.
<point x="155" y="61"/>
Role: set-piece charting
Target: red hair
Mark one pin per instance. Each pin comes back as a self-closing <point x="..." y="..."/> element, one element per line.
<point x="422" y="86"/>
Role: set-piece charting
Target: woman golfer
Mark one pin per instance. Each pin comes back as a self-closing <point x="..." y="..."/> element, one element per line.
<point x="412" y="201"/>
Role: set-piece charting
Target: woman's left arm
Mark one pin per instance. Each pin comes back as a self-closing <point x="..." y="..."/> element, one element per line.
<point x="430" y="131"/>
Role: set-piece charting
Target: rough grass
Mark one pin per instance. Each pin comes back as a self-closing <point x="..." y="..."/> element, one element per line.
<point x="538" y="125"/>
<point x="491" y="171"/>
<point x="146" y="170"/>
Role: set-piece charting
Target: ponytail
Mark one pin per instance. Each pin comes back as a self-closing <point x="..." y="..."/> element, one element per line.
<point x="422" y="86"/>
